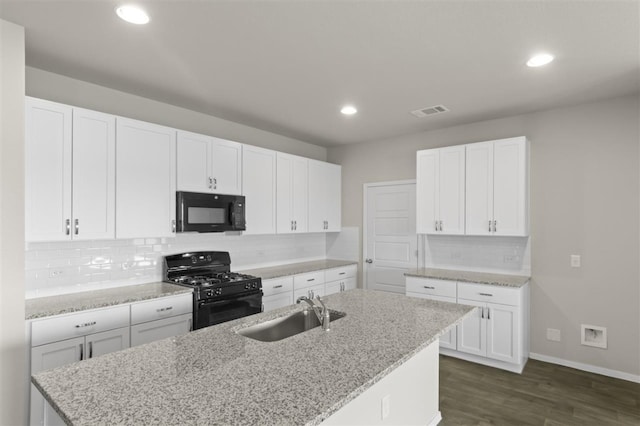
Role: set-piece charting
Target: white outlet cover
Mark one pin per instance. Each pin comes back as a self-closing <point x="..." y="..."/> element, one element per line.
<point x="553" y="334"/>
<point x="575" y="260"/>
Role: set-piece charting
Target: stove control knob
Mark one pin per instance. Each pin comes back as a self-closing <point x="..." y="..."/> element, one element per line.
<point x="247" y="286"/>
<point x="254" y="285"/>
<point x="209" y="293"/>
<point x="218" y="291"/>
<point x="208" y="258"/>
<point x="194" y="259"/>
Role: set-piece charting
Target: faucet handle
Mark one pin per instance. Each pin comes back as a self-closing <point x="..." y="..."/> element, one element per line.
<point x="321" y="302"/>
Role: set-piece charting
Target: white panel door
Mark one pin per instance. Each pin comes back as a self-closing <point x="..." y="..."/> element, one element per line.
<point x="502" y="332"/>
<point x="451" y="190"/>
<point x="472" y="332"/>
<point x="146" y="183"/>
<point x="106" y="342"/>
<point x="479" y="188"/>
<point x="259" y="189"/>
<point x="94" y="182"/>
<point x="427" y="191"/>
<point x="193" y="168"/>
<point x="46" y="357"/>
<point x="318" y="188"/>
<point x="48" y="148"/>
<point x="510" y="187"/>
<point x="160" y="329"/>
<point x="333" y="197"/>
<point x="226" y="166"/>
<point x="391" y="240"/>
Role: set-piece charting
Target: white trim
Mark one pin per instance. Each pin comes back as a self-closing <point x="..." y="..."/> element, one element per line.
<point x="587" y="367"/>
<point x="436" y="419"/>
<point x="365" y="187"/>
<point x="514" y="368"/>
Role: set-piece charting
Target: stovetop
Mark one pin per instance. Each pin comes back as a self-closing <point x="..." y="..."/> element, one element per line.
<point x="210" y="280"/>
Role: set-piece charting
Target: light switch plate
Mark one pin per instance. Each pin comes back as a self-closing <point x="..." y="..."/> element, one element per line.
<point x="575" y="260"/>
<point x="553" y="334"/>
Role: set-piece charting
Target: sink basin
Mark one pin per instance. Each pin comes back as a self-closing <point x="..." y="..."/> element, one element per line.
<point x="283" y="327"/>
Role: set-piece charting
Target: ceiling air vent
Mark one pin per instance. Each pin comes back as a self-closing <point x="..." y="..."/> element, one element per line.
<point x="424" y="112"/>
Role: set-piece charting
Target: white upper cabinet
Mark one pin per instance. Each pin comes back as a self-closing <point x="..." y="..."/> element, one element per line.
<point x="259" y="189"/>
<point x="440" y="190"/>
<point x="146" y="184"/>
<point x="325" y="189"/>
<point x="497" y="188"/>
<point x="70" y="173"/>
<point x="291" y="193"/>
<point x="208" y="164"/>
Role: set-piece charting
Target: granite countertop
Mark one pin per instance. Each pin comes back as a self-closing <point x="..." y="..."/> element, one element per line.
<point x="67" y="303"/>
<point x="215" y="376"/>
<point x="297" y="268"/>
<point x="470" y="276"/>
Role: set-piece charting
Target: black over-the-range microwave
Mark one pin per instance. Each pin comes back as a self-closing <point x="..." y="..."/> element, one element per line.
<point x="201" y="212"/>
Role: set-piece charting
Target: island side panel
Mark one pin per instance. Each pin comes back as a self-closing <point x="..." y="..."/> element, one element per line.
<point x="411" y="391"/>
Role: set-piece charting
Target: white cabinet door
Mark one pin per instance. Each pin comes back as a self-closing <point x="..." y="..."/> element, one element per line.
<point x="160" y="329"/>
<point x="259" y="189"/>
<point x="193" y="168"/>
<point x="276" y="301"/>
<point x="292" y="199"/>
<point x="48" y="146"/>
<point x="334" y="197"/>
<point x="479" y="189"/>
<point x="333" y="287"/>
<point x="427" y="191"/>
<point x="226" y="166"/>
<point x="46" y="357"/>
<point x="146" y="183"/>
<point x="502" y="332"/>
<point x="449" y="339"/>
<point x="510" y="183"/>
<point x="451" y="192"/>
<point x="310" y="292"/>
<point x="472" y="332"/>
<point x="94" y="182"/>
<point x="106" y="342"/>
<point x="317" y="196"/>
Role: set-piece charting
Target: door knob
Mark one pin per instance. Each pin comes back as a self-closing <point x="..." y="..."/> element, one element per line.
<point x="369" y="261"/>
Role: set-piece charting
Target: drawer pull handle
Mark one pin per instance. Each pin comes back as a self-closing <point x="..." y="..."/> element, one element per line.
<point x="486" y="294"/>
<point x="429" y="287"/>
<point x="342" y="273"/>
<point x="168" y="308"/>
<point x="86" y="324"/>
<point x="277" y="286"/>
<point x="311" y="279"/>
<point x="81" y="351"/>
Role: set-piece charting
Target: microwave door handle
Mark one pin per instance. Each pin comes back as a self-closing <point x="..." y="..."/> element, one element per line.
<point x="232" y="214"/>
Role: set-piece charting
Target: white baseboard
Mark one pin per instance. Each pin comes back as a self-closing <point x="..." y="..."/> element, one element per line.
<point x="587" y="367"/>
<point x="514" y="368"/>
<point x="436" y="419"/>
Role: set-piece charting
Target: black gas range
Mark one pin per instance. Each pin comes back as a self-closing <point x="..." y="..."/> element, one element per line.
<point x="219" y="295"/>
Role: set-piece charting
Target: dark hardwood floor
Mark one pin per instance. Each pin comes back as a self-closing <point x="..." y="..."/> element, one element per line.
<point x="545" y="394"/>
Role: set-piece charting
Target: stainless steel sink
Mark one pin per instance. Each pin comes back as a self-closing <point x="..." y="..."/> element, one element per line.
<point x="283" y="327"/>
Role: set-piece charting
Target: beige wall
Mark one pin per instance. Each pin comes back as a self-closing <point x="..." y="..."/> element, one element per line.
<point x="66" y="90"/>
<point x="13" y="386"/>
<point x="585" y="198"/>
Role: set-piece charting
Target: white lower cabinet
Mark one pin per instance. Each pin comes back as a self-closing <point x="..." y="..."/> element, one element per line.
<point x="160" y="329"/>
<point x="269" y="303"/>
<point x="277" y="293"/>
<point x="495" y="334"/>
<point x="161" y="318"/>
<point x="310" y="292"/>
<point x="340" y="279"/>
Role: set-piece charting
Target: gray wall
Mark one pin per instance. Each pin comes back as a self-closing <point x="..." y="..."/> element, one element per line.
<point x="66" y="90"/>
<point x="585" y="199"/>
<point x="13" y="386"/>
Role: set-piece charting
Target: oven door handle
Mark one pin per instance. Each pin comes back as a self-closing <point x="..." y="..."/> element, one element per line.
<point x="231" y="299"/>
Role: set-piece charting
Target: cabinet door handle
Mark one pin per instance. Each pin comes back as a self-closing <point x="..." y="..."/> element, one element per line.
<point x="486" y="294"/>
<point x="482" y="312"/>
<point x="488" y="313"/>
<point x="429" y="287"/>
<point x="68" y="226"/>
<point x="291" y="226"/>
<point x="489" y="226"/>
<point x="341" y="286"/>
<point x="81" y="351"/>
<point x="76" y="224"/>
<point x="173" y="225"/>
<point x="215" y="183"/>
<point x="440" y="226"/>
<point x="495" y="224"/>
<point x="436" y="225"/>
<point x="210" y="183"/>
<point x="311" y="279"/>
<point x="277" y="286"/>
<point x="90" y="349"/>
<point x="295" y="225"/>
<point x="168" y="308"/>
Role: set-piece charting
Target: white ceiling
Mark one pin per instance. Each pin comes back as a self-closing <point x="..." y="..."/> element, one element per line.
<point x="288" y="66"/>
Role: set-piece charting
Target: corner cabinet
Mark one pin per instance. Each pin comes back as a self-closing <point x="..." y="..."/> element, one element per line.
<point x="70" y="173"/>
<point x="146" y="184"/>
<point x="292" y="177"/>
<point x="325" y="196"/>
<point x="259" y="189"/>
<point x="440" y="191"/>
<point x="208" y="164"/>
<point x="497" y="197"/>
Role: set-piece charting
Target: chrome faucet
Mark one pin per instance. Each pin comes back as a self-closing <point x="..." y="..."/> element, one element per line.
<point x="321" y="311"/>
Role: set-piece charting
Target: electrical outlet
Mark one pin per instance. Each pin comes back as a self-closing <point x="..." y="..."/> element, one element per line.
<point x="510" y="258"/>
<point x="553" y="334"/>
<point x="386" y="406"/>
<point x="575" y="260"/>
<point x="56" y="273"/>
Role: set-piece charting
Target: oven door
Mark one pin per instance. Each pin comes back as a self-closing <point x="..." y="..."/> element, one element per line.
<point x="208" y="313"/>
<point x="198" y="212"/>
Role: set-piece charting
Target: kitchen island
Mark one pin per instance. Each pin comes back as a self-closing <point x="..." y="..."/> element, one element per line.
<point x="216" y="376"/>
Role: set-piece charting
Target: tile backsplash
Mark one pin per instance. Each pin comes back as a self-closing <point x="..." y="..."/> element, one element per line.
<point x="510" y="255"/>
<point x="72" y="266"/>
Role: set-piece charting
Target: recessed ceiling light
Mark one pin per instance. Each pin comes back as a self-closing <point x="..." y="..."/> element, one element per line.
<point x="539" y="60"/>
<point x="348" y="110"/>
<point x="133" y="14"/>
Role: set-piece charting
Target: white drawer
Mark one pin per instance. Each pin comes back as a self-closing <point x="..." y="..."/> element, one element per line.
<point x="431" y="286"/>
<point x="281" y="300"/>
<point x="277" y="286"/>
<point x="310" y="292"/>
<point x="163" y="307"/>
<point x="78" y="324"/>
<point x="489" y="293"/>
<point x="341" y="273"/>
<point x="309" y="279"/>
